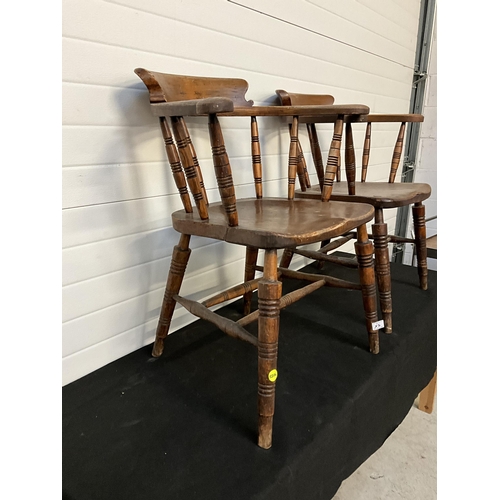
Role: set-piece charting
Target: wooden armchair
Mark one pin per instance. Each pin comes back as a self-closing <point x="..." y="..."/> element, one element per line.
<point x="260" y="222"/>
<point x="381" y="195"/>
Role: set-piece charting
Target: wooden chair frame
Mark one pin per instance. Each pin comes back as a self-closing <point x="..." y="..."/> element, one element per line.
<point x="379" y="194"/>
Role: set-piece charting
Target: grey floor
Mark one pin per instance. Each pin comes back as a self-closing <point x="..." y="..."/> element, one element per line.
<point x="403" y="468"/>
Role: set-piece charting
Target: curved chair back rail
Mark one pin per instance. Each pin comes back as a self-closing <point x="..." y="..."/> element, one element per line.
<point x="290" y="99"/>
<point x="164" y="87"/>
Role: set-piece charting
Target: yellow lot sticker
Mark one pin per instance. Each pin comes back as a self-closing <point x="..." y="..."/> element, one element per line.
<point x="273" y="375"/>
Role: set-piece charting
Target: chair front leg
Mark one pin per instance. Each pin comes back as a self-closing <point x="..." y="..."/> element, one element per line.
<point x="267" y="346"/>
<point x="382" y="268"/>
<point x="180" y="257"/>
<point x="364" y="253"/>
<point x="420" y="242"/>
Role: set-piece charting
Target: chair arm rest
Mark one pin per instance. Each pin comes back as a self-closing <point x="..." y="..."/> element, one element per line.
<point x="386" y="118"/>
<point x="193" y="107"/>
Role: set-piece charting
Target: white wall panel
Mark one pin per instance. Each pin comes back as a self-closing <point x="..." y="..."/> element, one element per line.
<point x="84" y="225"/>
<point x="83" y="262"/>
<point x="150" y="279"/>
<point x="91" y="223"/>
<point x="400" y="12"/>
<point x="117" y="189"/>
<point x="348" y="21"/>
<point x="96" y="184"/>
<point x="125" y="284"/>
<point x="98" y="145"/>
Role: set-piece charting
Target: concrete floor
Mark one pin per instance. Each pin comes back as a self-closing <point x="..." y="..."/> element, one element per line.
<point x="403" y="468"/>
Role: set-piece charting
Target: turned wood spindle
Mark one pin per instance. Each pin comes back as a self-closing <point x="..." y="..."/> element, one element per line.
<point x="396" y="155"/>
<point x="418" y="211"/>
<point x="300" y="162"/>
<point x="286" y="300"/>
<point x="302" y="167"/>
<point x="186" y="149"/>
<point x="364" y="253"/>
<point x="382" y="269"/>
<point x="190" y="145"/>
<point x="332" y="165"/>
<point x="293" y="157"/>
<point x="286" y="257"/>
<point x="350" y="160"/>
<point x="316" y="152"/>
<point x="231" y="328"/>
<point x="256" y="158"/>
<point x="231" y="293"/>
<point x="339" y="168"/>
<point x="366" y="151"/>
<point x="223" y="171"/>
<point x="175" y="165"/>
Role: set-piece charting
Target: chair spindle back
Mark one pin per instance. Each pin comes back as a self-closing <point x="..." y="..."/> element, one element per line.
<point x="402" y="119"/>
<point x="256" y="159"/>
<point x="167" y="88"/>
<point x="350" y="158"/>
<point x="190" y="164"/>
<point x="333" y="168"/>
<point x="396" y="155"/>
<point x="333" y="164"/>
<point x="175" y="165"/>
<point x="223" y="170"/>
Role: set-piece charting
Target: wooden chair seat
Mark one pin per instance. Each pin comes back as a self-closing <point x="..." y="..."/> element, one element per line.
<point x="276" y="222"/>
<point x="378" y="194"/>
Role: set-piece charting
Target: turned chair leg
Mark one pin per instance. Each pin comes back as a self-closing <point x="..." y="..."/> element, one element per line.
<point x="320" y="263"/>
<point x="180" y="257"/>
<point x="420" y="242"/>
<point x="267" y="346"/>
<point x="382" y="268"/>
<point x="250" y="262"/>
<point x="286" y="258"/>
<point x="364" y="253"/>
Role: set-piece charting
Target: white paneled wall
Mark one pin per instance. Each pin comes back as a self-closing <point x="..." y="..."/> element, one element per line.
<point x="117" y="190"/>
<point x="426" y="161"/>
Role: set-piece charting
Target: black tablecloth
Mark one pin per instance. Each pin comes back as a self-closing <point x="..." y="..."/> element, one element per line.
<point x="183" y="427"/>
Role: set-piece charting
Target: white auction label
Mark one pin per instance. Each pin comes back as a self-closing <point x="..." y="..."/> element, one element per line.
<point x="377" y="325"/>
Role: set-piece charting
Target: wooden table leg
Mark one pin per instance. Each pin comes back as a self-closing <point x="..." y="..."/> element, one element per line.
<point x="427" y="395"/>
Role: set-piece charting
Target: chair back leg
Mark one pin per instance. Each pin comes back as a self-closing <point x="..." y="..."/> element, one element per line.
<point x="286" y="258"/>
<point x="418" y="211"/>
<point x="250" y="262"/>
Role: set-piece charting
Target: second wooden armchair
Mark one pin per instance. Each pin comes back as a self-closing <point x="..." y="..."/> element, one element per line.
<point x="260" y="222"/>
<point x="381" y="195"/>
